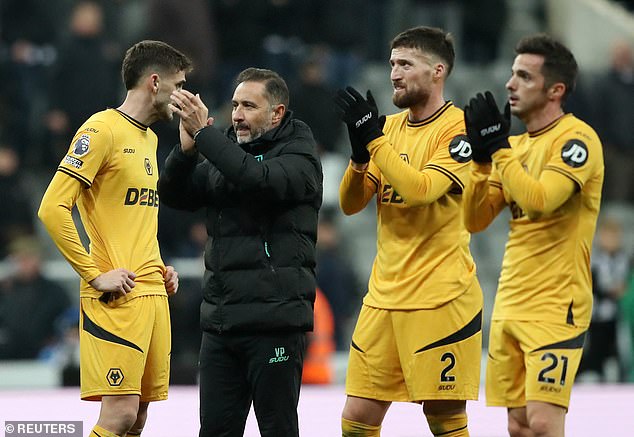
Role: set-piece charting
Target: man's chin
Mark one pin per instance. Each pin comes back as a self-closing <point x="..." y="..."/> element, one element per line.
<point x="166" y="116"/>
<point x="400" y="101"/>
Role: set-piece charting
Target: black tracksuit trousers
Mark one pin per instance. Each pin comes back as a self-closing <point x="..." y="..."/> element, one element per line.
<point x="239" y="369"/>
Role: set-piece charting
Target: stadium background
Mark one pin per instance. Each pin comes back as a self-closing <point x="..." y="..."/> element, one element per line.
<point x="59" y="63"/>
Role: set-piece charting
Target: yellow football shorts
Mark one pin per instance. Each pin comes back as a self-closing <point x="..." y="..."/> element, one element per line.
<point x="532" y="361"/>
<point x="418" y="355"/>
<point x="125" y="348"/>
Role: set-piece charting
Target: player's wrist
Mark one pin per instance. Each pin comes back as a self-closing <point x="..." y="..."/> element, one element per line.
<point x="480" y="156"/>
<point x="188" y="151"/>
<point x="359" y="157"/>
<point x="359" y="166"/>
<point x="483" y="168"/>
<point x="357" y="161"/>
<point x="371" y="134"/>
<point x="497" y="144"/>
<point x="198" y="133"/>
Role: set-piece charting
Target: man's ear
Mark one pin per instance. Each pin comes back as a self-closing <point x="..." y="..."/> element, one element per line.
<point x="278" y="113"/>
<point x="153" y="82"/>
<point x="556" y="91"/>
<point x="439" y="71"/>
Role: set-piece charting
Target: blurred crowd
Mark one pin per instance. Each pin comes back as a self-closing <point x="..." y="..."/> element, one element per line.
<point x="60" y="61"/>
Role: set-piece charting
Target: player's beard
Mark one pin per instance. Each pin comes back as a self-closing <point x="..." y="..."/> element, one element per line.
<point x="254" y="133"/>
<point x="163" y="111"/>
<point x="409" y="99"/>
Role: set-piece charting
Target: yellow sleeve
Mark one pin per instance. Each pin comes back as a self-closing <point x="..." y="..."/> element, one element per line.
<point x="482" y="200"/>
<point x="357" y="188"/>
<point x="89" y="152"/>
<point x="56" y="214"/>
<point x="535" y="197"/>
<point x="416" y="187"/>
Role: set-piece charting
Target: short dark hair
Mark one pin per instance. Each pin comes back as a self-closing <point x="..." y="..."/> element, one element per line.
<point x="150" y="54"/>
<point x="276" y="88"/>
<point x="429" y="40"/>
<point x="559" y="62"/>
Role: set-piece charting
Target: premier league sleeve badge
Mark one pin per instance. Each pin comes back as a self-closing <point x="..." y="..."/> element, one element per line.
<point x="82" y="145"/>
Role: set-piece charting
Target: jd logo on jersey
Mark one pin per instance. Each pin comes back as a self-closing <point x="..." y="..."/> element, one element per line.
<point x="460" y="149"/>
<point x="115" y="377"/>
<point x="574" y="153"/>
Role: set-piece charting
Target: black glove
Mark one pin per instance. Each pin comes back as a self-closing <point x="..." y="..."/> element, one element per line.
<point x="362" y="118"/>
<point x="360" y="153"/>
<point x="487" y="128"/>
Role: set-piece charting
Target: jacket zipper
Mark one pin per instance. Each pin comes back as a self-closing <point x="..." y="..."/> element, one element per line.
<point x="266" y="250"/>
<point x="271" y="266"/>
<point x="268" y="255"/>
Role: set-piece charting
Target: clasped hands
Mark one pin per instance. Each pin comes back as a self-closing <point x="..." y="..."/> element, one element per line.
<point x="119" y="282"/>
<point x="193" y="114"/>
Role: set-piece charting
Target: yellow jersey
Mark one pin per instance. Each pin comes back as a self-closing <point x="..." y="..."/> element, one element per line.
<point x="114" y="158"/>
<point x="546" y="268"/>
<point x="417" y="171"/>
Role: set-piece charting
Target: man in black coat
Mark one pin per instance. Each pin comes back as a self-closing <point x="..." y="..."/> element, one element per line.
<point x="261" y="185"/>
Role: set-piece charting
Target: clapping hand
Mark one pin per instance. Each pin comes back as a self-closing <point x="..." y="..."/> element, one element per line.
<point x="487" y="128"/>
<point x="194" y="116"/>
<point x="362" y="120"/>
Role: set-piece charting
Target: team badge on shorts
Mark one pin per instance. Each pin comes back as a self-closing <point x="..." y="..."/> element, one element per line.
<point x="81" y="146"/>
<point x="115" y="377"/>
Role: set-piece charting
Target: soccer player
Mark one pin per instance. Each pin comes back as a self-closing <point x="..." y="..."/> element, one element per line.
<point x="418" y="336"/>
<point x="110" y="173"/>
<point x="550" y="177"/>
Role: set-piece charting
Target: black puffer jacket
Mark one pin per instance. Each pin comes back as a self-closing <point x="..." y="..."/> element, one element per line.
<point x="262" y="201"/>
